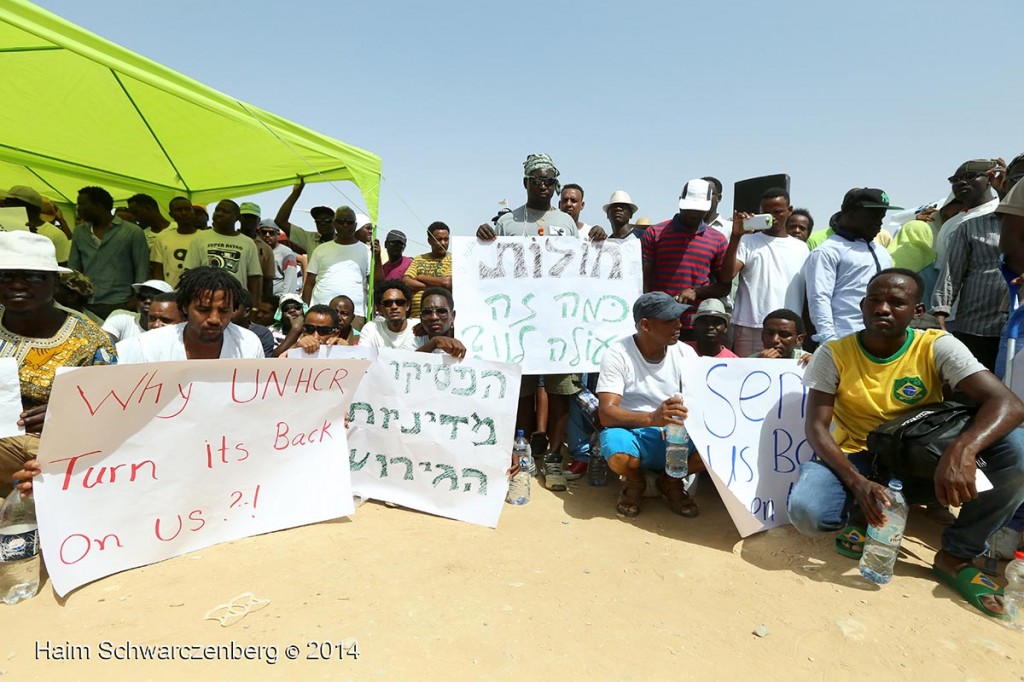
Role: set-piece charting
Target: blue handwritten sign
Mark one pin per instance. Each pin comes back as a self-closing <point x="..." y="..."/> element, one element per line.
<point x="746" y="417"/>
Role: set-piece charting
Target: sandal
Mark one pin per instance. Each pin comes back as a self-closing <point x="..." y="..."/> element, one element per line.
<point x="850" y="536"/>
<point x="679" y="501"/>
<point x="629" y="499"/>
<point x="972" y="585"/>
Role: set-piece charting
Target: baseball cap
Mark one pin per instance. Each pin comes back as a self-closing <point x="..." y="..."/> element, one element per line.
<point x="1013" y="202"/>
<point x="322" y="210"/>
<point x="157" y="284"/>
<point x="867" y="197"/>
<point x="712" y="307"/>
<point x="396" y="236"/>
<point x="696" y="195"/>
<point x="659" y="306"/>
<point x="23" y="193"/>
<point x="974" y="166"/>
<point x="249" y="208"/>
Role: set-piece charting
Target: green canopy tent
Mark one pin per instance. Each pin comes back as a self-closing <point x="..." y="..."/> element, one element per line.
<point x="82" y="111"/>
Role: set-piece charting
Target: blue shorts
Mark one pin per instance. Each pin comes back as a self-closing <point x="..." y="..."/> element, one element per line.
<point x="647" y="443"/>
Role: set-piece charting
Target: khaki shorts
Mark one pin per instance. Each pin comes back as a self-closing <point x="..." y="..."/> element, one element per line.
<point x="14" y="452"/>
<point x="554" y="384"/>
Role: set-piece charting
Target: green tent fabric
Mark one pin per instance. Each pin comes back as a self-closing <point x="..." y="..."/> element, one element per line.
<point x="81" y="111"/>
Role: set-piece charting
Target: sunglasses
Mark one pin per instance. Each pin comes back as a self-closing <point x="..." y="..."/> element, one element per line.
<point x="546" y="182"/>
<point x="268" y="233"/>
<point x="440" y="312"/>
<point x="30" y="276"/>
<point x="316" y="329"/>
<point x="146" y="294"/>
<point x="399" y="302"/>
<point x="347" y="221"/>
<point x="964" y="177"/>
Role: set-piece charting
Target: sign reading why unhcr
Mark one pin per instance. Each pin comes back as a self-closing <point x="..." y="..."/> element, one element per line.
<point x="141" y="463"/>
<point x="549" y="304"/>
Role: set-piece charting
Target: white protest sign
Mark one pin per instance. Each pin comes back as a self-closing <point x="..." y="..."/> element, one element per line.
<point x="13" y="219"/>
<point x="746" y="418"/>
<point x="325" y="352"/>
<point x="548" y="304"/>
<point x="10" y="399"/>
<point x="433" y="433"/>
<point x="145" y="462"/>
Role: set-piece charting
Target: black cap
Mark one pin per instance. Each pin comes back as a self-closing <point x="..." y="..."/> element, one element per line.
<point x="867" y="197"/>
<point x="659" y="306"/>
<point x="395" y="236"/>
<point x="323" y="210"/>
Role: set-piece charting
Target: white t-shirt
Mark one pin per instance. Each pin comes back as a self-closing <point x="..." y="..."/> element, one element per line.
<point x="122" y="324"/>
<point x="340" y="269"/>
<point x="167" y="344"/>
<point x="377" y="335"/>
<point x="770" y="279"/>
<point x="643" y="385"/>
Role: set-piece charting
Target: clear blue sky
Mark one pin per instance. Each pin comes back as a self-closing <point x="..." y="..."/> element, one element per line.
<point x="638" y="96"/>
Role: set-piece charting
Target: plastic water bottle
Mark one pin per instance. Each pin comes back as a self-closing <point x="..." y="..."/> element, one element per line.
<point x="882" y="545"/>
<point x="597" y="468"/>
<point x="1013" y="593"/>
<point x="677" y="449"/>
<point x="19" y="549"/>
<point x="519" y="487"/>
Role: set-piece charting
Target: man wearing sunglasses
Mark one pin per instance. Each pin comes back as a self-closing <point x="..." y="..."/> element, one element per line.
<point x="437" y="316"/>
<point x="395" y="328"/>
<point x="124" y="324"/>
<point x="323" y="217"/>
<point x="321" y="327"/>
<point x="971" y="185"/>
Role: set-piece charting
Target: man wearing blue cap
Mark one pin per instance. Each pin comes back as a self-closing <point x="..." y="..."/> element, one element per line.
<point x="639" y="393"/>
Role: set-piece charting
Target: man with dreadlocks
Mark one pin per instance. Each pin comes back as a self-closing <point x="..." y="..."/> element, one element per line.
<point x="538" y="218"/>
<point x="208" y="298"/>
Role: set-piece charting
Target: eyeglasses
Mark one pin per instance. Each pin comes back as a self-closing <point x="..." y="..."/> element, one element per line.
<point x="268" y="233"/>
<point x="392" y="302"/>
<point x="440" y="312"/>
<point x="30" y="276"/>
<point x="964" y="177"/>
<point x="546" y="182"/>
<point x="316" y="329"/>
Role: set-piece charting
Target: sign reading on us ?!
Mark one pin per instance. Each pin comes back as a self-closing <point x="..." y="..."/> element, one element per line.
<point x="548" y="304"/>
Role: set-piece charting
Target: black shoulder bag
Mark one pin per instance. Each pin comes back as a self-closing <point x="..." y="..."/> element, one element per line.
<point x="910" y="445"/>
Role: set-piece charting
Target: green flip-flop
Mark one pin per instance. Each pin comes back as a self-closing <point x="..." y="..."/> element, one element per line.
<point x="971" y="584"/>
<point x="851" y="535"/>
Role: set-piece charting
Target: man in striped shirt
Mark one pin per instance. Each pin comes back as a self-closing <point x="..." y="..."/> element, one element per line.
<point x="683" y="258"/>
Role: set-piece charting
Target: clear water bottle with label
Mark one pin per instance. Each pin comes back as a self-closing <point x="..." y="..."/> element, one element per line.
<point x="882" y="546"/>
<point x="677" y="449"/>
<point x="1013" y="593"/>
<point x="519" y="486"/>
<point x="19" y="549"/>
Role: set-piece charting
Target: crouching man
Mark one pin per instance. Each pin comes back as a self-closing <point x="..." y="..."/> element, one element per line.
<point x="871" y="377"/>
<point x="640" y="377"/>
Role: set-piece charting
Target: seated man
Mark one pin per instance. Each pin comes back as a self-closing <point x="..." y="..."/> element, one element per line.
<point x="782" y="335"/>
<point x="636" y="392"/>
<point x="208" y="297"/>
<point x="320" y="327"/>
<point x="855" y="383"/>
<point x="395" y="328"/>
<point x="164" y="311"/>
<point x="711" y="326"/>
<point x="437" y="315"/>
<point x="124" y="324"/>
<point x="346" y="310"/>
<point x="39" y="336"/>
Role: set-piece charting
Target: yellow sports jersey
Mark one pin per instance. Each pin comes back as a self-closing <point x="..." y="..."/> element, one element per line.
<point x="873" y="391"/>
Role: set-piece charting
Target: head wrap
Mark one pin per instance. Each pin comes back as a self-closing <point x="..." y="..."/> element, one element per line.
<point x="77" y="282"/>
<point x="539" y="162"/>
<point x="911" y="248"/>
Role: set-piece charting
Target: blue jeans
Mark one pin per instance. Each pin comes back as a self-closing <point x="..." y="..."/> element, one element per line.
<point x="819" y="503"/>
<point x="578" y="433"/>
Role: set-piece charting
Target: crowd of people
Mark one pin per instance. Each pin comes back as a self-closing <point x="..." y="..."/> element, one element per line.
<point x="865" y="310"/>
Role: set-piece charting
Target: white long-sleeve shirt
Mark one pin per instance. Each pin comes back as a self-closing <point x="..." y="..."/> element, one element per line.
<point x="837" y="275"/>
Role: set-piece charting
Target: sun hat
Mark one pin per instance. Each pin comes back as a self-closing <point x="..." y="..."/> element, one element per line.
<point x="23" y="250"/>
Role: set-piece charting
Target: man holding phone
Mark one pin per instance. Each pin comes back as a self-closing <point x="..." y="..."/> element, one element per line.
<point x="769" y="263"/>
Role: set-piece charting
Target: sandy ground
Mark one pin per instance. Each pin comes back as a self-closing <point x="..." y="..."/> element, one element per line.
<point x="562" y="588"/>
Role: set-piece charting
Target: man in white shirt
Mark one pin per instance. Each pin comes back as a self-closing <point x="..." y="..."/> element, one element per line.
<point x="638" y="393"/>
<point x="619" y="210"/>
<point x="342" y="266"/>
<point x="394" y="329"/>
<point x="712" y="218"/>
<point x="769" y="265"/>
<point x="837" y="272"/>
<point x="570" y="200"/>
<point x="208" y="297"/>
<point x="971" y="185"/>
<point x="124" y="324"/>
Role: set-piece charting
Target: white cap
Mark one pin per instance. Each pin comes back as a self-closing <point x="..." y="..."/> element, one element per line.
<point x="696" y="195"/>
<point x="157" y="284"/>
<point x="24" y="250"/>
<point x="361" y="220"/>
